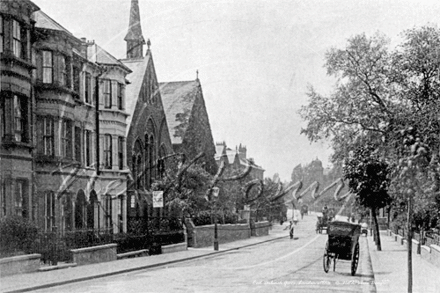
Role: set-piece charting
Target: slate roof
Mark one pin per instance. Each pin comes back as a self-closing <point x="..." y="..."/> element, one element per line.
<point x="44" y="21"/>
<point x="178" y="98"/>
<point x="138" y="67"/>
<point x="96" y="54"/>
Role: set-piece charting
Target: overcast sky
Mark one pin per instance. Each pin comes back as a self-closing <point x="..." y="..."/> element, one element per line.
<point x="255" y="58"/>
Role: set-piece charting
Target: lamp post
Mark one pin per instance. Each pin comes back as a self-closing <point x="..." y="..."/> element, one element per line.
<point x="215" y="191"/>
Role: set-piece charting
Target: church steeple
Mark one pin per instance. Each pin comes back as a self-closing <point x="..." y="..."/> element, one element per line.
<point x="135" y="40"/>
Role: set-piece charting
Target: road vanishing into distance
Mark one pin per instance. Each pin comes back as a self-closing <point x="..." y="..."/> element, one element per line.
<point x="283" y="265"/>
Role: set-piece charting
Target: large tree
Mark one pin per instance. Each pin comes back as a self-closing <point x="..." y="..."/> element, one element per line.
<point x="368" y="178"/>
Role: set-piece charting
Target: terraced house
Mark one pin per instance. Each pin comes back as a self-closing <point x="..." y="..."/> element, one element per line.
<point x="63" y="125"/>
<point x="17" y="103"/>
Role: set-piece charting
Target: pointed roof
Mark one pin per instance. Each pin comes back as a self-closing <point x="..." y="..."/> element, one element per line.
<point x="44" y="21"/>
<point x="178" y="99"/>
<point x="138" y="67"/>
<point x="134" y="28"/>
<point x="96" y="54"/>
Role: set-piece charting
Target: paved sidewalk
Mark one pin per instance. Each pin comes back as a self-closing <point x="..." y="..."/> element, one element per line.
<point x="390" y="268"/>
<point x="38" y="280"/>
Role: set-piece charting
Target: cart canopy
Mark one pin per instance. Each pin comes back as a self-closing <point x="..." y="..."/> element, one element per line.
<point x="339" y="228"/>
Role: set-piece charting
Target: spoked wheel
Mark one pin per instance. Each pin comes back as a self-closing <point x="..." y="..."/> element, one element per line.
<point x="326" y="259"/>
<point x="355" y="260"/>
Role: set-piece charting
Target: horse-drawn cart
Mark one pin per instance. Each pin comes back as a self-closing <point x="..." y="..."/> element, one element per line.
<point x="342" y="244"/>
<point x="321" y="224"/>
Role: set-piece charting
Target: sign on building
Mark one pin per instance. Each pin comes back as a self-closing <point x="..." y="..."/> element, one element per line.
<point x="215" y="191"/>
<point x="157" y="199"/>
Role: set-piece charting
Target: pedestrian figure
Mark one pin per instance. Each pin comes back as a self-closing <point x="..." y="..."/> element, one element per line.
<point x="291" y="229"/>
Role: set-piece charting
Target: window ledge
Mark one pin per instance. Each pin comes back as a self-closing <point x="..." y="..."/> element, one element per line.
<point x="12" y="143"/>
<point x="8" y="56"/>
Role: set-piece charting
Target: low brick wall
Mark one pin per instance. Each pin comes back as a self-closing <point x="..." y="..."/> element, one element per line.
<point x="94" y="254"/>
<point x="430" y="253"/>
<point x="203" y="236"/>
<point x="174" y="247"/>
<point x="260" y="228"/>
<point x="20" y="264"/>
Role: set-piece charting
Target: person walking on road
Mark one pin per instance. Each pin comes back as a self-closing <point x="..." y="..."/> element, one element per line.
<point x="291" y="228"/>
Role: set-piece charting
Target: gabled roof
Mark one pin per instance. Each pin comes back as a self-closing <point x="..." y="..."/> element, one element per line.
<point x="96" y="54"/>
<point x="178" y="99"/>
<point x="138" y="67"/>
<point x="44" y="21"/>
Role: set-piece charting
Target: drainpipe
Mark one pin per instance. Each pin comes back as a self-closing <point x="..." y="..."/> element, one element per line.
<point x="97" y="122"/>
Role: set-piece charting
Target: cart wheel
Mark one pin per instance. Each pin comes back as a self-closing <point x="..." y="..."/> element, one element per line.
<point x="326" y="259"/>
<point x="355" y="260"/>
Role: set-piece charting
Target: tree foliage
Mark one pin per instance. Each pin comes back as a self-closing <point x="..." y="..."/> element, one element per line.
<point x="380" y="93"/>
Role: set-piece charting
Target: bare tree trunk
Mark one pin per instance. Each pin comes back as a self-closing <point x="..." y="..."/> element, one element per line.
<point x="376" y="229"/>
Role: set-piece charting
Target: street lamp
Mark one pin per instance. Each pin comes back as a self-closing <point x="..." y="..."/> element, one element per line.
<point x="215" y="191"/>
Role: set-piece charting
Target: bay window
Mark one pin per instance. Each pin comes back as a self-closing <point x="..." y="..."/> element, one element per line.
<point x="88" y="147"/>
<point x="47" y="67"/>
<point x="108" y="151"/>
<point x="107" y="92"/>
<point x="120" y="91"/>
<point x="88" y="88"/>
<point x="66" y="139"/>
<point x="45" y="136"/>
<point x="16" y="39"/>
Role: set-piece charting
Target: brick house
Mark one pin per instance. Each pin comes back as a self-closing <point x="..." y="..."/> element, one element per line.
<point x="16" y="108"/>
<point x="188" y="121"/>
<point x="147" y="133"/>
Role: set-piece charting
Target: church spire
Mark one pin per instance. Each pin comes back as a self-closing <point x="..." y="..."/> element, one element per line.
<point x="134" y="38"/>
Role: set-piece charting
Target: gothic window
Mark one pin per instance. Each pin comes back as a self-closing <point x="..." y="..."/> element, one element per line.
<point x="47" y="67"/>
<point x="121" y="152"/>
<point x="66" y="138"/>
<point x="49" y="213"/>
<point x="107" y="92"/>
<point x="108" y="151"/>
<point x="88" y="147"/>
<point x="88" y="88"/>
<point x="152" y="159"/>
<point x="137" y="165"/>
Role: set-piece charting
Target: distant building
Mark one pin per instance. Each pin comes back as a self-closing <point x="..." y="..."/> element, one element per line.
<point x="236" y="161"/>
<point x="188" y="121"/>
